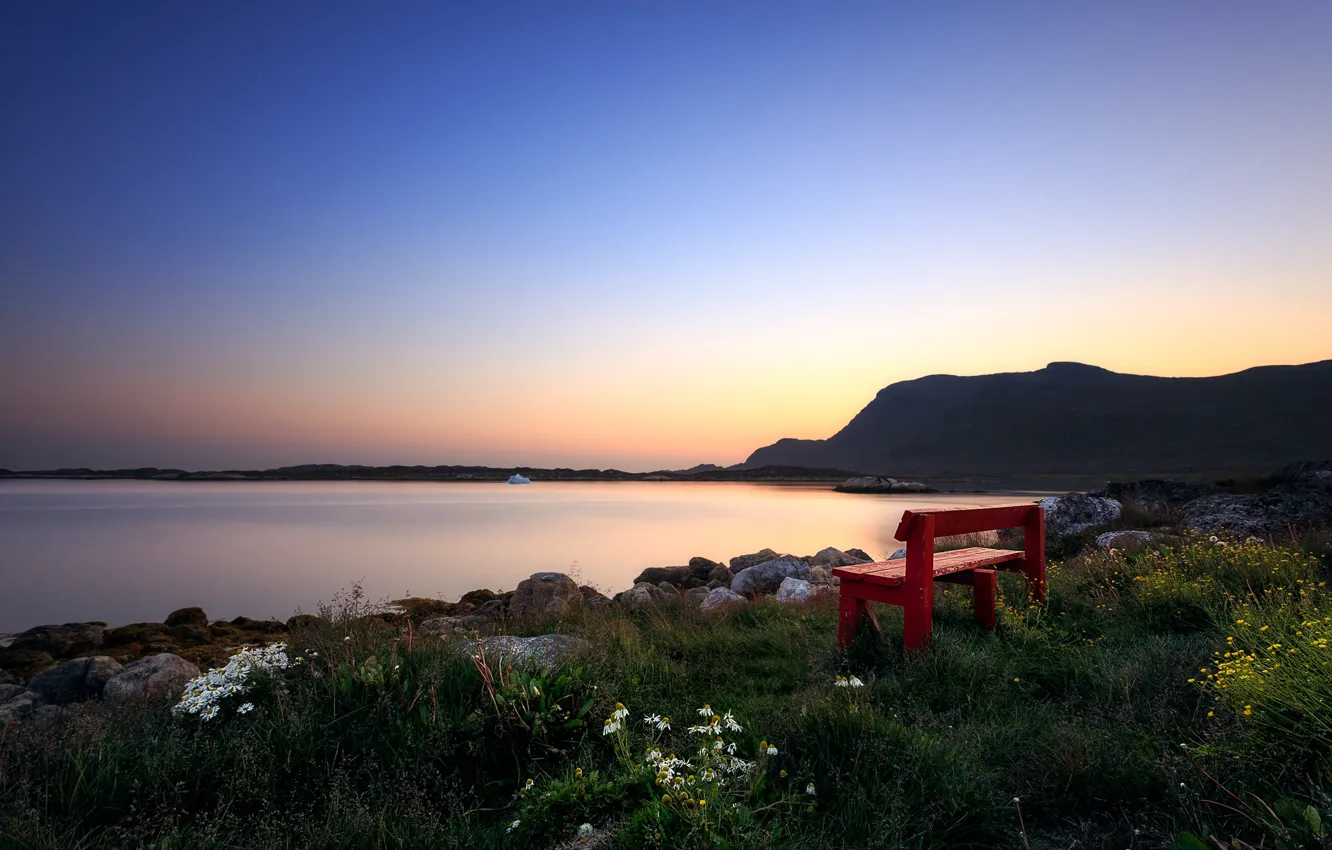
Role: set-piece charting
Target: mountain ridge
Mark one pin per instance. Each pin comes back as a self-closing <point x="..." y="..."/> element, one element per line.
<point x="1075" y="418"/>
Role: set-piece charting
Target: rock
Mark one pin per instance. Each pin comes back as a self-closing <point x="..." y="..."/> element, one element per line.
<point x="74" y="681"/>
<point x="301" y="622"/>
<point x="1124" y="540"/>
<point x="641" y="595"/>
<point x="465" y="624"/>
<point x="155" y="676"/>
<point x="8" y="692"/>
<point x="1077" y="512"/>
<point x="49" y="713"/>
<point x="794" y="590"/>
<point x="25" y="661"/>
<point x="674" y="576"/>
<point x="721" y="574"/>
<point x="187" y="617"/>
<point x="703" y="567"/>
<point x="1321" y="478"/>
<point x="479" y="597"/>
<point x="545" y="651"/>
<point x="19" y="706"/>
<point x="496" y="609"/>
<point x="1274" y="513"/>
<point x="818" y="575"/>
<point x="7" y="678"/>
<point x="863" y="556"/>
<point x="62" y="641"/>
<point x="715" y="583"/>
<point x="833" y="557"/>
<point x="880" y="484"/>
<point x="694" y="596"/>
<point x="546" y="594"/>
<point x="720" y="598"/>
<point x="264" y="626"/>
<point x="767" y="577"/>
<point x="898" y="553"/>
<point x="593" y="599"/>
<point x="1156" y="496"/>
<point x="140" y="633"/>
<point x="744" y="562"/>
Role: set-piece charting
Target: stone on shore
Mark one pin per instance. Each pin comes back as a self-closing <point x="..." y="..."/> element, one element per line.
<point x="794" y="591"/>
<point x="17" y="703"/>
<point x="1271" y="514"/>
<point x="674" y="576"/>
<point x="881" y="484"/>
<point x="1075" y="513"/>
<point x="1132" y="540"/>
<point x="722" y="574"/>
<point x="543" y="651"/>
<point x="865" y="557"/>
<point x="187" y="617"/>
<point x="7" y="678"/>
<point x="767" y="576"/>
<point x="719" y="599"/>
<point x="744" y="562"/>
<point x="465" y="624"/>
<point x="834" y="557"/>
<point x="593" y="599"/>
<point x="548" y="594"/>
<point x="154" y="677"/>
<point x="63" y="641"/>
<point x="75" y="681"/>
<point x="641" y="595"/>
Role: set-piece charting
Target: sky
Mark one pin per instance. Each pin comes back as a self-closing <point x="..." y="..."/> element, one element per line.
<point x="639" y="235"/>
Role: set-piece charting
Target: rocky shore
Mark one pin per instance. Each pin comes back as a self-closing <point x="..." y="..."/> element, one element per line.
<point x="47" y="668"/>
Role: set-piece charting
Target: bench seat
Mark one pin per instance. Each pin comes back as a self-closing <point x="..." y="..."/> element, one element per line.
<point x="893" y="573"/>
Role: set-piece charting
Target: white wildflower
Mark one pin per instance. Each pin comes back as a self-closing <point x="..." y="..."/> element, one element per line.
<point x="772" y="751"/>
<point x="245" y="708"/>
<point x="809" y="789"/>
<point x="705" y="711"/>
<point x="513" y="826"/>
<point x="855" y="683"/>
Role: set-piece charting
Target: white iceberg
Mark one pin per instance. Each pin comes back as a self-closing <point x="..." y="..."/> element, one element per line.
<point x="518" y="479"/>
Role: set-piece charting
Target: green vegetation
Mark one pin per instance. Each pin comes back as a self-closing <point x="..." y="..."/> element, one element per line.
<point x="1163" y="698"/>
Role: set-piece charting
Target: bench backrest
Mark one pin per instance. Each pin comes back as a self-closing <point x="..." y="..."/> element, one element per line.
<point x="919" y="529"/>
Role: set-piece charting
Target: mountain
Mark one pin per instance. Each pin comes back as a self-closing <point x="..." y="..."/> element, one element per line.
<point x="1069" y="418"/>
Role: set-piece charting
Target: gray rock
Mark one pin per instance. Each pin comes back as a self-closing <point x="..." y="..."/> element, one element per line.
<point x="495" y="609"/>
<point x="715" y="583"/>
<point x="1124" y="540"/>
<point x="881" y="484"/>
<point x="793" y="591"/>
<point x="1274" y="513"/>
<point x="819" y="575"/>
<point x="695" y="595"/>
<point x="7" y="678"/>
<point x="829" y="557"/>
<point x="20" y="706"/>
<point x="641" y="595"/>
<point x="550" y="594"/>
<point x="767" y="577"/>
<point x="465" y="624"/>
<point x="75" y="681"/>
<point x="544" y="651"/>
<point x="667" y="588"/>
<point x="701" y="567"/>
<point x="1156" y="496"/>
<point x="155" y="676"/>
<point x="187" y="617"/>
<point x="9" y="691"/>
<point x="899" y="553"/>
<point x="62" y="641"/>
<point x="719" y="599"/>
<point x="721" y="574"/>
<point x="1077" y="512"/>
<point x="594" y="600"/>
<point x="49" y="713"/>
<point x="744" y="562"/>
<point x="1320" y="478"/>
<point x="861" y="555"/>
<point x="674" y="576"/>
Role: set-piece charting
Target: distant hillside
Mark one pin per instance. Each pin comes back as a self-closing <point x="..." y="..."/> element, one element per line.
<point x="1069" y="418"/>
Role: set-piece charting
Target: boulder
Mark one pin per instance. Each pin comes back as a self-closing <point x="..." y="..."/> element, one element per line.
<point x="62" y="641"/>
<point x="546" y="594"/>
<point x="1077" y="512"/>
<point x="76" y="680"/>
<point x="1321" y="479"/>
<point x="694" y="596"/>
<point x="819" y="575"/>
<point x="24" y="661"/>
<point x="187" y="617"/>
<point x="7" y="678"/>
<point x="1274" y="513"/>
<point x="465" y="624"/>
<point x="721" y="574"/>
<point x="1155" y="495"/>
<point x="301" y="622"/>
<point x="544" y="651"/>
<point x="495" y="609"/>
<point x="881" y="484"/>
<point x="744" y="562"/>
<point x="863" y="556"/>
<point x="593" y="599"/>
<point x="479" y="597"/>
<point x="155" y="676"/>
<point x="641" y="595"/>
<point x="9" y="691"/>
<point x="767" y="577"/>
<point x="674" y="576"/>
<point x="720" y="598"/>
<point x="793" y="591"/>
<point x="833" y="557"/>
<point x="19" y="705"/>
<point x="267" y="627"/>
<point x="703" y="567"/>
<point x="897" y="553"/>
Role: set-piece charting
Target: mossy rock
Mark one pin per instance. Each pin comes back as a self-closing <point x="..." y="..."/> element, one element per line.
<point x="479" y="597"/>
<point x="304" y="622"/>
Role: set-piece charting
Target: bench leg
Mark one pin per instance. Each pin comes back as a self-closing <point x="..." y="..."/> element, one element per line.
<point x="917" y="625"/>
<point x="984" y="587"/>
<point x="850" y="611"/>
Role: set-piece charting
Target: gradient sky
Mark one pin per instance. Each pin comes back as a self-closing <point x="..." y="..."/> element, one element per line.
<point x="630" y="234"/>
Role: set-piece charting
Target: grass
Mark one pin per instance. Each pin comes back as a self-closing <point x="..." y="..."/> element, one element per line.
<point x="1097" y="720"/>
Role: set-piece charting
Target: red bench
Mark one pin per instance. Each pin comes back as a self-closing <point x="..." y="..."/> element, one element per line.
<point x="909" y="582"/>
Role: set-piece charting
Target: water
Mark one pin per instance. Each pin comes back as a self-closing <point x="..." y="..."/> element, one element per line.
<point x="129" y="551"/>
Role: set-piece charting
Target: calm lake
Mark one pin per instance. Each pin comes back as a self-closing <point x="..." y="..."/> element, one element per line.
<point x="128" y="551"/>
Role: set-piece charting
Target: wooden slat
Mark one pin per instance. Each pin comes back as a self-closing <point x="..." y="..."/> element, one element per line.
<point x="893" y="572"/>
<point x="950" y="521"/>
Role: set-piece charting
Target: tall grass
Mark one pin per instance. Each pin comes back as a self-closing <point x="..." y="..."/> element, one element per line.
<point x="1078" y="709"/>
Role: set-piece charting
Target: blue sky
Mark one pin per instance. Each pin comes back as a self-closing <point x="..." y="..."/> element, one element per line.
<point x="633" y="235"/>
